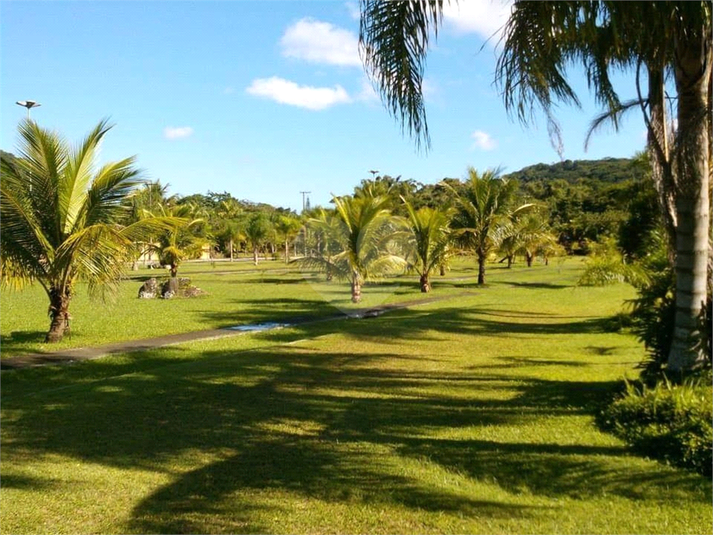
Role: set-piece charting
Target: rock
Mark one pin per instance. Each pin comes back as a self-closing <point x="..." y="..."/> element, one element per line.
<point x="148" y="289"/>
<point x="193" y="291"/>
<point x="184" y="283"/>
<point x="170" y="288"/>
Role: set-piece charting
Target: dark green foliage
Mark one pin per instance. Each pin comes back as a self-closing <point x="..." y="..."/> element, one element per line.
<point x="669" y="422"/>
<point x="604" y="171"/>
<point x="589" y="200"/>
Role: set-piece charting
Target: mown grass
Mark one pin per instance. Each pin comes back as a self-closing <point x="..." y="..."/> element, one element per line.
<point x="237" y="294"/>
<point x="468" y="416"/>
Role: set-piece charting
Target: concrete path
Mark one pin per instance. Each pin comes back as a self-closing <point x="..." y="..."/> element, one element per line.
<point x="69" y="356"/>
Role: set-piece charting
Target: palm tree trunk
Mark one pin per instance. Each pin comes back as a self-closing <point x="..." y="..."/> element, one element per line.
<point x="59" y="314"/>
<point x="231" y="249"/>
<point x="528" y="259"/>
<point x="356" y="288"/>
<point x="693" y="78"/>
<point x="509" y="257"/>
<point x="255" y="257"/>
<point x="443" y="270"/>
<point x="287" y="252"/>
<point x="174" y="271"/>
<point x="425" y="285"/>
<point x="481" y="267"/>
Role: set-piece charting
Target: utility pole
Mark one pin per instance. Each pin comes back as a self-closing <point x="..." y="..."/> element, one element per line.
<point x="304" y="193"/>
<point x="304" y="228"/>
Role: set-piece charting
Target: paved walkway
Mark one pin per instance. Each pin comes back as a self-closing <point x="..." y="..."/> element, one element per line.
<point x="69" y="356"/>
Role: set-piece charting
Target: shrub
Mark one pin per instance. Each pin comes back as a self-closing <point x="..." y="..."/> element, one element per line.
<point x="668" y="421"/>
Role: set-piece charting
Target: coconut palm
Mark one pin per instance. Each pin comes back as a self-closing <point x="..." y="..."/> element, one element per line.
<point x="483" y="205"/>
<point x="229" y="212"/>
<point x="181" y="241"/>
<point x="527" y="233"/>
<point x="366" y="235"/>
<point x="430" y="241"/>
<point x="257" y="232"/>
<point x="287" y="228"/>
<point x="324" y="225"/>
<point x="142" y="202"/>
<point x="661" y="40"/>
<point x="63" y="218"/>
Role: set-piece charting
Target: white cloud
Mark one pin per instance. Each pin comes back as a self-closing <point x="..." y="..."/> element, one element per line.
<point x="367" y="93"/>
<point x="177" y="132"/>
<point x="303" y="96"/>
<point x="429" y="88"/>
<point x="353" y="9"/>
<point x="483" y="17"/>
<point x="321" y="42"/>
<point x="482" y="141"/>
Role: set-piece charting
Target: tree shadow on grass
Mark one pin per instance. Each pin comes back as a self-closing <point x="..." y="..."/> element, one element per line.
<point x="326" y="425"/>
<point x="535" y="285"/>
<point x="282" y="310"/>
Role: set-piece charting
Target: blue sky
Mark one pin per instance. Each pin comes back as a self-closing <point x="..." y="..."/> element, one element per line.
<point x="265" y="99"/>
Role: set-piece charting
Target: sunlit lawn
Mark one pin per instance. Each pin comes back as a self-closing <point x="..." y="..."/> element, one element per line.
<point x="472" y="415"/>
<point x="237" y="293"/>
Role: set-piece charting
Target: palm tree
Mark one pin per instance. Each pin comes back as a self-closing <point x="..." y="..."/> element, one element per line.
<point x="430" y="241"/>
<point x="180" y="242"/>
<point x="62" y="218"/>
<point x="287" y="229"/>
<point x="142" y="202"/>
<point x="482" y="206"/>
<point x="229" y="212"/>
<point x="663" y="40"/>
<point x="365" y="234"/>
<point x="257" y="232"/>
<point x="527" y="233"/>
<point x="324" y="225"/>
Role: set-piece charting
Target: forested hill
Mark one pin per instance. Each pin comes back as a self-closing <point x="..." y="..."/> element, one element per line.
<point x="606" y="170"/>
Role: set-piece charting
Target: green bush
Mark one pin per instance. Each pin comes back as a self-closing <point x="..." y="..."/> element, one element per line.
<point x="668" y="421"/>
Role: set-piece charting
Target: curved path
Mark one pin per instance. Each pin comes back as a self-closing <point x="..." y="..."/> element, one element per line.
<point x="69" y="356"/>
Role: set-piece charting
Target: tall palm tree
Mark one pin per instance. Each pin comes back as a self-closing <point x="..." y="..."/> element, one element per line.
<point x="365" y="233"/>
<point x="63" y="218"/>
<point x="430" y="241"/>
<point x="484" y="204"/>
<point x="663" y="40"/>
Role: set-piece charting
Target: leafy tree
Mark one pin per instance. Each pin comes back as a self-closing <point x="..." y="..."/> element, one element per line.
<point x="662" y="40"/>
<point x="484" y="204"/>
<point x="364" y="232"/>
<point x="430" y="241"/>
<point x="63" y="221"/>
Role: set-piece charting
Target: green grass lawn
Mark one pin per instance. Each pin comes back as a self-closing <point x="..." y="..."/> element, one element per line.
<point x="237" y="293"/>
<point x="473" y="415"/>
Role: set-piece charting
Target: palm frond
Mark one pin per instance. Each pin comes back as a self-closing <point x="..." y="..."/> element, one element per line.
<point x="393" y="39"/>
